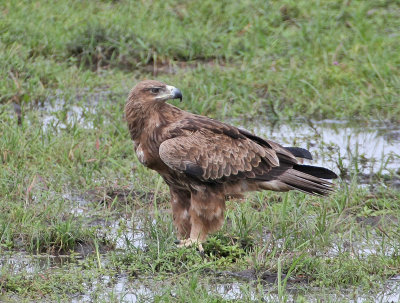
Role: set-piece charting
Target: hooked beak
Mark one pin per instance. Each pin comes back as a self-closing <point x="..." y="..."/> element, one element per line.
<point x="171" y="93"/>
<point x="175" y="92"/>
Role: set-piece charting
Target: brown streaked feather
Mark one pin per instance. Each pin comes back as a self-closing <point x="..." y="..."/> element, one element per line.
<point x="305" y="182"/>
<point x="208" y="154"/>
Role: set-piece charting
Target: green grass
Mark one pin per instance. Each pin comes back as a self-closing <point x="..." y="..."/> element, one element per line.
<point x="277" y="58"/>
<point x="64" y="184"/>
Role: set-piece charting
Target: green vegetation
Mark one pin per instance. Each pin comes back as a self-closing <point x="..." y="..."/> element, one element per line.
<point x="71" y="188"/>
<point x="335" y="59"/>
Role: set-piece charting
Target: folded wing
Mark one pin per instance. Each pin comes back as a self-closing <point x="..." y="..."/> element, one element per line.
<point x="212" y="156"/>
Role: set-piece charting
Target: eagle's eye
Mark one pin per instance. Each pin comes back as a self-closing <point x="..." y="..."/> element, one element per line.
<point x="155" y="90"/>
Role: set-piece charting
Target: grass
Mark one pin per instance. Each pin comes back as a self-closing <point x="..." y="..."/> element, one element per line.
<point x="68" y="172"/>
<point x="331" y="60"/>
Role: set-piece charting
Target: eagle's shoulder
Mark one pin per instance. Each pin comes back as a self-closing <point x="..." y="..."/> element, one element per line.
<point x="196" y="123"/>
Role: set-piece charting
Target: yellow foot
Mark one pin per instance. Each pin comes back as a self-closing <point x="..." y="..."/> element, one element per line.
<point x="189" y="242"/>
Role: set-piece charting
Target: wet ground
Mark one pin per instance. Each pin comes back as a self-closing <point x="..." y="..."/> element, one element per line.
<point x="142" y="291"/>
<point x="369" y="152"/>
<point x="247" y="285"/>
<point x="127" y="232"/>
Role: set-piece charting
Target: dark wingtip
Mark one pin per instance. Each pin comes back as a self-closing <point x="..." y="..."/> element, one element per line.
<point x="194" y="170"/>
<point x="316" y="171"/>
<point x="299" y="152"/>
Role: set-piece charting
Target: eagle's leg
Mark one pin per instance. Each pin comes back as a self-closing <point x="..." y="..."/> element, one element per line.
<point x="189" y="242"/>
<point x="180" y="201"/>
<point x="206" y="216"/>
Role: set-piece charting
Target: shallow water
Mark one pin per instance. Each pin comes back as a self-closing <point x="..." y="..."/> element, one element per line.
<point x="56" y="112"/>
<point x="125" y="233"/>
<point x="123" y="289"/>
<point x="362" y="248"/>
<point x="119" y="288"/>
<point x="53" y="113"/>
<point x="21" y="262"/>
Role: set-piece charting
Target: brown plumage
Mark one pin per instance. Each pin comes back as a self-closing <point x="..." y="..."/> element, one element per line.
<point x="203" y="161"/>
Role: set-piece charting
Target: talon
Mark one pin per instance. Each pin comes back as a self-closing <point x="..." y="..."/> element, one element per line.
<point x="186" y="243"/>
<point x="189" y="242"/>
<point x="201" y="249"/>
<point x="177" y="241"/>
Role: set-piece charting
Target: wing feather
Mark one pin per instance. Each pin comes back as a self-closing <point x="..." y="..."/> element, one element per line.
<point x="212" y="155"/>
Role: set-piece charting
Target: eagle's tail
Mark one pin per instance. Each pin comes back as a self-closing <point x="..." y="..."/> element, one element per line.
<point x="309" y="179"/>
<point x="316" y="171"/>
<point x="305" y="178"/>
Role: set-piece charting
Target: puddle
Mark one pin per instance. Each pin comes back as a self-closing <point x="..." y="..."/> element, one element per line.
<point x="122" y="233"/>
<point x="80" y="206"/>
<point x="357" y="245"/>
<point x="362" y="246"/>
<point x="338" y="145"/>
<point x="125" y="233"/>
<point x="119" y="289"/>
<point x="20" y="262"/>
<point x="389" y="294"/>
<point x="53" y="113"/>
<point x="232" y="291"/>
<point x="122" y="289"/>
<point x="56" y="113"/>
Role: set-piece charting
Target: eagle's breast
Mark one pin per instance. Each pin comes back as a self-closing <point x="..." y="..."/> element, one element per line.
<point x="149" y="157"/>
<point x="141" y="155"/>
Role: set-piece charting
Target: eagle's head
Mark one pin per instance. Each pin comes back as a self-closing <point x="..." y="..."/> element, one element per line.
<point x="153" y="91"/>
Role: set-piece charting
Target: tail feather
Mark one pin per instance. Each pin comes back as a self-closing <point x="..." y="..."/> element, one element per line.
<point x="316" y="171"/>
<point x="311" y="184"/>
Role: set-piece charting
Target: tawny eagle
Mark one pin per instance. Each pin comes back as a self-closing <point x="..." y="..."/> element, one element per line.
<point x="204" y="161"/>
